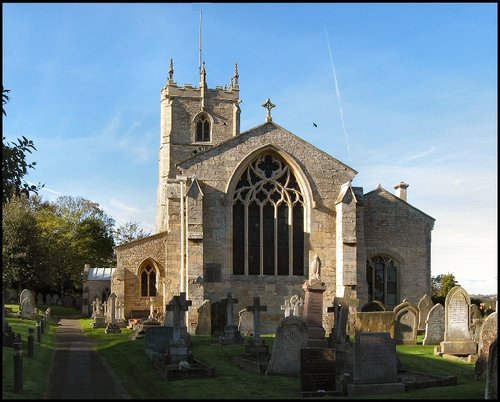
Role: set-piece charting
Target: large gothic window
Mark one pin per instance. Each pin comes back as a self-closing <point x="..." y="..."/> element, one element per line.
<point x="203" y="129"/>
<point x="268" y="220"/>
<point x="381" y="275"/>
<point x="148" y="281"/>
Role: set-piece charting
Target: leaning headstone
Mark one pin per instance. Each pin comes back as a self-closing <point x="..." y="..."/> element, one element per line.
<point x="434" y="326"/>
<point x="491" y="389"/>
<point x="372" y="306"/>
<point x="313" y="312"/>
<point x="375" y="365"/>
<point x="39" y="299"/>
<point x="291" y="336"/>
<point x="424" y="306"/>
<point x="231" y="334"/>
<point x="406" y="322"/>
<point x="457" y="334"/>
<point x="489" y="333"/>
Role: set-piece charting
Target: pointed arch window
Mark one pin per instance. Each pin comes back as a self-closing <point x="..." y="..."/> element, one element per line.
<point x="148" y="281"/>
<point x="268" y="220"/>
<point x="203" y="128"/>
<point x="381" y="274"/>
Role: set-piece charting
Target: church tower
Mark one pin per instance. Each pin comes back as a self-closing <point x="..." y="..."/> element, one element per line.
<point x="193" y="119"/>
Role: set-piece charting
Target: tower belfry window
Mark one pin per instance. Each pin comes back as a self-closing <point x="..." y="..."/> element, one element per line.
<point x="203" y="129"/>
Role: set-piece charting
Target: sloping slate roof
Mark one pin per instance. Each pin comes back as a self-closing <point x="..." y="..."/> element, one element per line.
<point x="100" y="274"/>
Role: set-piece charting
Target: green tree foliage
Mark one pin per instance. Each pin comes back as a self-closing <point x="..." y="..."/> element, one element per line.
<point x="14" y="164"/>
<point x="128" y="232"/>
<point x="23" y="254"/>
<point x="442" y="284"/>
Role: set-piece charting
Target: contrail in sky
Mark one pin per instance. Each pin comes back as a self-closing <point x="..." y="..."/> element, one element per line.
<point x="338" y="94"/>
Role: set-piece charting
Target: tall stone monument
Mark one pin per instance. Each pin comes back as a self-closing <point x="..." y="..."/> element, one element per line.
<point x="313" y="306"/>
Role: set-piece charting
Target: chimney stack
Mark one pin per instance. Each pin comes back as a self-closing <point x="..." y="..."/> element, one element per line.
<point x="401" y="190"/>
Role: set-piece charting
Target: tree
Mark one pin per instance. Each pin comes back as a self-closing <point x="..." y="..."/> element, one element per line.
<point x="442" y="284"/>
<point x="128" y="232"/>
<point x="22" y="251"/>
<point x="14" y="165"/>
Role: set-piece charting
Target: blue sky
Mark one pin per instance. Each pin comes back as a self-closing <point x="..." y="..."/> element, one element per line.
<point x="398" y="92"/>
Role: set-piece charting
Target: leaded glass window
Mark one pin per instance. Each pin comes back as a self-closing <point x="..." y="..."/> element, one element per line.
<point x="268" y="220"/>
<point x="203" y="129"/>
<point x="148" y="281"/>
<point x="381" y="275"/>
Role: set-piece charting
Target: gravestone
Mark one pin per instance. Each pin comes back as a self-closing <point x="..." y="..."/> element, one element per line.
<point x="424" y="306"/>
<point x="406" y="322"/>
<point x="372" y="306"/>
<point x="376" y="321"/>
<point x="317" y="371"/>
<point x="231" y="334"/>
<point x="255" y="348"/>
<point x="178" y="348"/>
<point x="55" y="299"/>
<point x="375" y="365"/>
<point x="204" y="326"/>
<point x="217" y="318"/>
<point x="245" y="322"/>
<point x="286" y="308"/>
<point x="491" y="389"/>
<point x="39" y="299"/>
<point x="296" y="306"/>
<point x="457" y="334"/>
<point x="48" y="299"/>
<point x="27" y="308"/>
<point x="340" y="310"/>
<point x="98" y="316"/>
<point x="434" y="326"/>
<point x="26" y="293"/>
<point x="291" y="336"/>
<point x="313" y="312"/>
<point x="156" y="341"/>
<point x="111" y="327"/>
<point x="489" y="333"/>
<point x="476" y="321"/>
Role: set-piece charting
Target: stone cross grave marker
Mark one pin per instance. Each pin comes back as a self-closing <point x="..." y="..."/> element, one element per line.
<point x="340" y="310"/>
<point x="286" y="308"/>
<point x="230" y="302"/>
<point x="295" y="303"/>
<point x="179" y="305"/>
<point x="231" y="334"/>
<point x="434" y="326"/>
<point x="256" y="308"/>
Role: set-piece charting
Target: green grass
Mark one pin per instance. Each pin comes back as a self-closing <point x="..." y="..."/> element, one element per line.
<point x="142" y="381"/>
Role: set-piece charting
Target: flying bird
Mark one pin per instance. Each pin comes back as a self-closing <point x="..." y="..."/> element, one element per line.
<point x="315" y="125"/>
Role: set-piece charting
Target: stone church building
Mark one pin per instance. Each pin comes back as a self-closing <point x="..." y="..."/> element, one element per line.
<point x="251" y="212"/>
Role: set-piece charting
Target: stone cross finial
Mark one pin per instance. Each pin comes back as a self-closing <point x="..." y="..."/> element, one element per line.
<point x="268" y="105"/>
<point x="256" y="309"/>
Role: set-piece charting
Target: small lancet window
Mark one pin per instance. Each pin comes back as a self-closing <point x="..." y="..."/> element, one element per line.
<point x="148" y="282"/>
<point x="203" y="129"/>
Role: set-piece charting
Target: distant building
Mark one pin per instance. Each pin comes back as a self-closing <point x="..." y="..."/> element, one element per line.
<point x="96" y="284"/>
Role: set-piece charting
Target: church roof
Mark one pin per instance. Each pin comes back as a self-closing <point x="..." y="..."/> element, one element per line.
<point x="100" y="274"/>
<point x="380" y="189"/>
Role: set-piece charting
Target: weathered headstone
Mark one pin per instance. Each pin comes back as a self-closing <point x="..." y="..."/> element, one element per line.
<point x="476" y="321"/>
<point x="406" y="322"/>
<point x="26" y="293"/>
<point x="39" y="299"/>
<point x="375" y="365"/>
<point x="55" y="299"/>
<point x="376" y="321"/>
<point x="245" y="322"/>
<point x="291" y="336"/>
<point x="313" y="312"/>
<point x="317" y="371"/>
<point x="27" y="308"/>
<point x="491" y="389"/>
<point x="156" y="341"/>
<point x="489" y="333"/>
<point x="457" y="333"/>
<point x="48" y="299"/>
<point x="372" y="306"/>
<point x="434" y="326"/>
<point x="231" y="334"/>
<point x="424" y="306"/>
